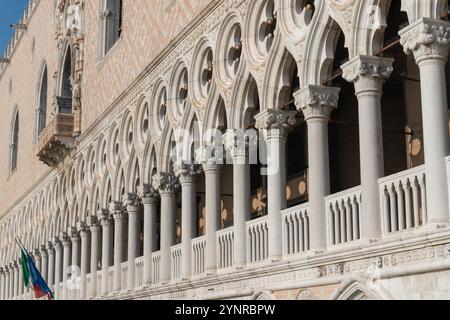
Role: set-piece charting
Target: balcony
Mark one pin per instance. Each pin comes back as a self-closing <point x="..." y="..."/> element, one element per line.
<point x="56" y="140"/>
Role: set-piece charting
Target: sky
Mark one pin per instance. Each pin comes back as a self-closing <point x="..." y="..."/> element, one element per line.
<point x="11" y="11"/>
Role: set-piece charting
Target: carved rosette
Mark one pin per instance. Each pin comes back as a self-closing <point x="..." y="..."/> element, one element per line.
<point x="187" y="172"/>
<point x="426" y="39"/>
<point x="276" y="122"/>
<point x="317" y="102"/>
<point x="118" y="210"/>
<point x="368" y="73"/>
<point x="166" y="183"/>
<point x="148" y="194"/>
<point x="105" y="218"/>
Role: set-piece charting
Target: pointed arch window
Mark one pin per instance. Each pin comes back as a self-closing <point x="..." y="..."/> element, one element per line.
<point x="112" y="23"/>
<point x="64" y="100"/>
<point x="14" y="147"/>
<point x="42" y="103"/>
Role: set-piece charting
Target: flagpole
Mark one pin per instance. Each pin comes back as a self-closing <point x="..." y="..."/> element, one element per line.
<point x="21" y="246"/>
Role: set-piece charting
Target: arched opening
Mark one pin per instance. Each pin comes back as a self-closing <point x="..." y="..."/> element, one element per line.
<point x="42" y="107"/>
<point x="343" y="126"/>
<point x="297" y="143"/>
<point x="14" y="147"/>
<point x="64" y="100"/>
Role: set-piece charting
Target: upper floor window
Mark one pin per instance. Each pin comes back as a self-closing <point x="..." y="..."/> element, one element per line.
<point x="112" y="23"/>
<point x="42" y="103"/>
<point x="14" y="147"/>
<point x="64" y="99"/>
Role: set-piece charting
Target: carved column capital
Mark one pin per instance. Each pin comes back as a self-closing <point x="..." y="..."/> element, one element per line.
<point x="118" y="210"/>
<point x="50" y="248"/>
<point x="276" y="122"/>
<point x="187" y="172"/>
<point x="83" y="229"/>
<point x="368" y="73"/>
<point x="74" y="234"/>
<point x="105" y="218"/>
<point x="317" y="102"/>
<point x="148" y="194"/>
<point x="427" y="39"/>
<point x="166" y="183"/>
<point x="44" y="252"/>
<point x="93" y="224"/>
<point x="57" y="245"/>
<point x="132" y="202"/>
<point x="65" y="239"/>
<point x="237" y="142"/>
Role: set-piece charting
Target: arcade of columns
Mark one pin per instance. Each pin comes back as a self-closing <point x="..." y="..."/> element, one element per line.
<point x="112" y="236"/>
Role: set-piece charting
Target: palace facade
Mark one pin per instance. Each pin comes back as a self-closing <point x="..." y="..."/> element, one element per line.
<point x="227" y="149"/>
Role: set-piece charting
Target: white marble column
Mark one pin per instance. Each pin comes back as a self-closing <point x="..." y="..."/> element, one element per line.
<point x="120" y="216"/>
<point x="167" y="184"/>
<point x="369" y="74"/>
<point x="186" y="174"/>
<point x="429" y="40"/>
<point x="212" y="171"/>
<point x="57" y="245"/>
<point x="236" y="143"/>
<point x="133" y="205"/>
<point x="85" y="234"/>
<point x="7" y="278"/>
<point x="44" y="263"/>
<point x="150" y="198"/>
<point x="317" y="103"/>
<point x="107" y="224"/>
<point x="275" y="125"/>
<point x="2" y="284"/>
<point x="16" y="280"/>
<point x="51" y="265"/>
<point x="10" y="282"/>
<point x="21" y="286"/>
<point x="37" y="259"/>
<point x="96" y="231"/>
<point x="67" y="260"/>
<point x="72" y="289"/>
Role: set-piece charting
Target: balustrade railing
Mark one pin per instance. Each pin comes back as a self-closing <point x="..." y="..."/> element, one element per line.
<point x="139" y="274"/>
<point x="198" y="255"/>
<point x="176" y="262"/>
<point x="111" y="279"/>
<point x="99" y="282"/>
<point x="295" y="224"/>
<point x="403" y="200"/>
<point x="156" y="263"/>
<point x="344" y="216"/>
<point x="124" y="275"/>
<point x="225" y="248"/>
<point x="447" y="160"/>
<point x="257" y="240"/>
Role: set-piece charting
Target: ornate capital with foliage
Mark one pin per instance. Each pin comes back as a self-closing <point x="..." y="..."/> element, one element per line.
<point x="186" y="172"/>
<point x="118" y="210"/>
<point x="427" y="39"/>
<point x="317" y="102"/>
<point x="166" y="183"/>
<point x="368" y="73"/>
<point x="132" y="201"/>
<point x="148" y="194"/>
